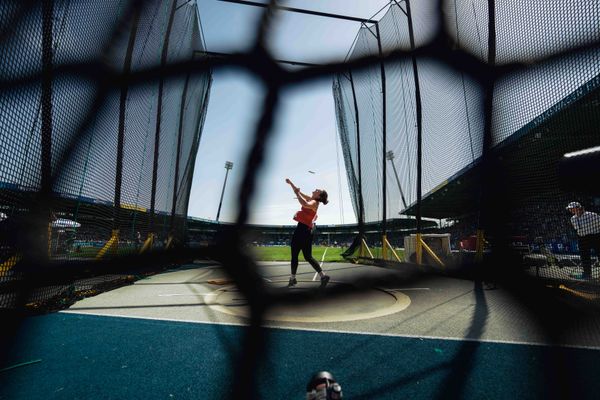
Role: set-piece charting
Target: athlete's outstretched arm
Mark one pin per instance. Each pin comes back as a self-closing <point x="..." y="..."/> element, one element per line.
<point x="305" y="196"/>
<point x="294" y="187"/>
<point x="305" y="201"/>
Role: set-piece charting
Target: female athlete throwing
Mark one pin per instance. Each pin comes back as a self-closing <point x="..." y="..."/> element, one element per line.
<point x="303" y="235"/>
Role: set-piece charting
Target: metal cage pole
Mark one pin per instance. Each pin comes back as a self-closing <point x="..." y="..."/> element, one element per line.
<point x="487" y="132"/>
<point x="113" y="243"/>
<point x="46" y="134"/>
<point x="176" y="178"/>
<point x="384" y="144"/>
<point x="199" y="124"/>
<point x="361" y="207"/>
<point x="419" y="116"/>
<point x="360" y="240"/>
<point x="163" y="61"/>
<point x="301" y="11"/>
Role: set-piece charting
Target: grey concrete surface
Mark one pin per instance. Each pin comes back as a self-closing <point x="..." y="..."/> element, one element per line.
<point x="432" y="306"/>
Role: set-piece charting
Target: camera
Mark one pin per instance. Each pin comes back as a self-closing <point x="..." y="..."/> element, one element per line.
<point x="323" y="386"/>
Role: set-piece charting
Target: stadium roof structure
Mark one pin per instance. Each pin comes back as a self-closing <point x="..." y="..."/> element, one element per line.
<point x="394" y="225"/>
<point x="569" y="125"/>
<point x="99" y="211"/>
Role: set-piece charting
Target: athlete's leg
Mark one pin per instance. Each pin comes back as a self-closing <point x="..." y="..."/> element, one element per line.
<point x="307" y="252"/>
<point x="296" y="246"/>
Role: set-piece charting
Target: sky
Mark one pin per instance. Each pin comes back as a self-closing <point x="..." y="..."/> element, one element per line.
<point x="305" y="136"/>
<point x="305" y="133"/>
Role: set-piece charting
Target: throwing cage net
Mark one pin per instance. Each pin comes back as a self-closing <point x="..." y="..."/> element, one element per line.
<point x="422" y="158"/>
<point x="95" y="166"/>
<point x="454" y="118"/>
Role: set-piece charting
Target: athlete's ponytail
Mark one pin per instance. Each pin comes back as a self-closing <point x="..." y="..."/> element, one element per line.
<point x="323" y="197"/>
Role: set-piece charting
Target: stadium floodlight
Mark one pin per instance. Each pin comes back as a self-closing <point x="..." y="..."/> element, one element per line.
<point x="228" y="166"/>
<point x="578" y="168"/>
<point x="390" y="157"/>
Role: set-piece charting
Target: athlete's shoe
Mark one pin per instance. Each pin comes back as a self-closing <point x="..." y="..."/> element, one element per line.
<point x="324" y="280"/>
<point x="292" y="282"/>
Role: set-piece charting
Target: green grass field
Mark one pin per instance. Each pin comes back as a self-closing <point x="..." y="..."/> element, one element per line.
<point x="260" y="253"/>
<point x="282" y="253"/>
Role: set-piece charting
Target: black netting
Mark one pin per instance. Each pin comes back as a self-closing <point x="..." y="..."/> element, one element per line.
<point x="102" y="200"/>
<point x="542" y="108"/>
<point x="454" y="118"/>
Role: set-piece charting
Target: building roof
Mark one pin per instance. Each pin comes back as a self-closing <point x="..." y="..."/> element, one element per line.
<point x="529" y="157"/>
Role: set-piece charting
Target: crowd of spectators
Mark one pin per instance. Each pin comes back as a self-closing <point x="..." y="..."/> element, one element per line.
<point x="537" y="225"/>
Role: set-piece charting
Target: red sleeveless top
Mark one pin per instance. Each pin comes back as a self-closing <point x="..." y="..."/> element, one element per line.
<point x="306" y="216"/>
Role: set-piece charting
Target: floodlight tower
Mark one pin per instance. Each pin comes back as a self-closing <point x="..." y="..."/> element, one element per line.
<point x="228" y="166"/>
<point x="390" y="157"/>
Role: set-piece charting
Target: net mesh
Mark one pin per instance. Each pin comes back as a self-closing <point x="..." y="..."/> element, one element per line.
<point x="457" y="125"/>
<point x="104" y="141"/>
<point x="543" y="107"/>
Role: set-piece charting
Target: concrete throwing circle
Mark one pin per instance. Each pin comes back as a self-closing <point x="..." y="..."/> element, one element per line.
<point x="357" y="306"/>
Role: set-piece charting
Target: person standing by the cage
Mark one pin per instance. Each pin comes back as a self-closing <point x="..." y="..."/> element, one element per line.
<point x="587" y="225"/>
<point x="303" y="235"/>
<point x="138" y="240"/>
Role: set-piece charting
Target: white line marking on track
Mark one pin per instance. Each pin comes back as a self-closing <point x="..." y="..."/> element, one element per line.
<point x="186" y="294"/>
<point x="322" y="260"/>
<point x="406" y="289"/>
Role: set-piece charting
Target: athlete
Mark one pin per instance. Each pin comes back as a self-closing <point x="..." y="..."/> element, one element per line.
<point x="303" y="235"/>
